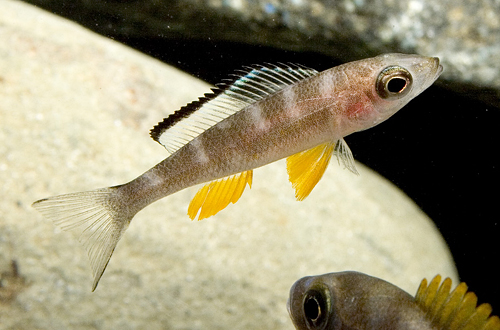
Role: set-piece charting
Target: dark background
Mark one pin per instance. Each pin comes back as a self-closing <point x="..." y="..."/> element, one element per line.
<point x="441" y="150"/>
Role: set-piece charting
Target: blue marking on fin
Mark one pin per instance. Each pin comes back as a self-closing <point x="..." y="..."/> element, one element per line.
<point x="248" y="86"/>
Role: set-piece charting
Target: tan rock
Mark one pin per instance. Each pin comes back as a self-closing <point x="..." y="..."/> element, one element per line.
<point x="75" y="111"/>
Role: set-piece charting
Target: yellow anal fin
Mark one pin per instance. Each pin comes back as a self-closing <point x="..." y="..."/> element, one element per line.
<point x="306" y="168"/>
<point x="456" y="310"/>
<point x="216" y="195"/>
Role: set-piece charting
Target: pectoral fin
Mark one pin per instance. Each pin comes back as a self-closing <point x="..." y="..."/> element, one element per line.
<point x="344" y="154"/>
<point x="216" y="195"/>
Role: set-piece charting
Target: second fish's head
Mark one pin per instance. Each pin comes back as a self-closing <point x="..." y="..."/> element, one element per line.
<point x="350" y="300"/>
<point x="382" y="85"/>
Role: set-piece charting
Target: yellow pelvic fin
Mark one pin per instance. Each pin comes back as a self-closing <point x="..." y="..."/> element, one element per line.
<point x="216" y="195"/>
<point x="456" y="310"/>
<point x="306" y="168"/>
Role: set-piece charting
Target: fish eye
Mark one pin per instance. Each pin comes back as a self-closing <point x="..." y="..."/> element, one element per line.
<point x="393" y="82"/>
<point x="315" y="305"/>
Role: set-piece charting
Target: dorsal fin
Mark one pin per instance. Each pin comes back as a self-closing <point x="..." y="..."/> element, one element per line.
<point x="250" y="85"/>
<point x="456" y="310"/>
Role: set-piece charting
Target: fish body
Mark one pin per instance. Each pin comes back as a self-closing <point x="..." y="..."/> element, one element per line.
<point x="266" y="114"/>
<point x="352" y="300"/>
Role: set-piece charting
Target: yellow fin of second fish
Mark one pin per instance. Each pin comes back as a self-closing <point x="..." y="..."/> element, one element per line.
<point x="306" y="168"/>
<point x="216" y="195"/>
<point x="456" y="310"/>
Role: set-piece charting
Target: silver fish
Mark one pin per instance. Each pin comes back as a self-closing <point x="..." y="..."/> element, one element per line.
<point x="352" y="300"/>
<point x="267" y="113"/>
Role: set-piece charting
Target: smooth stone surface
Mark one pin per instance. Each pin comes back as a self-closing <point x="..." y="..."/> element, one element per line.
<point x="75" y="114"/>
<point x="464" y="34"/>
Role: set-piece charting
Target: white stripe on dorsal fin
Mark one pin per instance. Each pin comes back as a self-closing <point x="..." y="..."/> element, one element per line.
<point x="250" y="85"/>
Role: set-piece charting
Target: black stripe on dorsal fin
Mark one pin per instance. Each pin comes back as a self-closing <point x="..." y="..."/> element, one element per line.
<point x="246" y="86"/>
<point x="455" y="310"/>
<point x="182" y="113"/>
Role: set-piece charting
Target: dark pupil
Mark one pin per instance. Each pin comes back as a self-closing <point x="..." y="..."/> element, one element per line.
<point x="312" y="308"/>
<point x="396" y="85"/>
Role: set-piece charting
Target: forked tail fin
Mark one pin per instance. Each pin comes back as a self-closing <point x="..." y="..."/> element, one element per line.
<point x="98" y="218"/>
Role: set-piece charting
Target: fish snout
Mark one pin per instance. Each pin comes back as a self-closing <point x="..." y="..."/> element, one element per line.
<point x="439" y="67"/>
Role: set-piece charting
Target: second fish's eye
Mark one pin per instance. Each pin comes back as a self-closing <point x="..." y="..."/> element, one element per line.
<point x="315" y="307"/>
<point x="393" y="82"/>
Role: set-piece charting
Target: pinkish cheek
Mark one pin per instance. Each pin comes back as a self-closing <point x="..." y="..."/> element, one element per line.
<point x="362" y="109"/>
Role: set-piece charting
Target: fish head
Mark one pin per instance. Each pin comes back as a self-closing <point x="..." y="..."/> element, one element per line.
<point x="351" y="300"/>
<point x="384" y="84"/>
<point x="310" y="303"/>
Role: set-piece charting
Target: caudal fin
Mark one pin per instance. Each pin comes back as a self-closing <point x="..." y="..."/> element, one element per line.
<point x="96" y="216"/>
